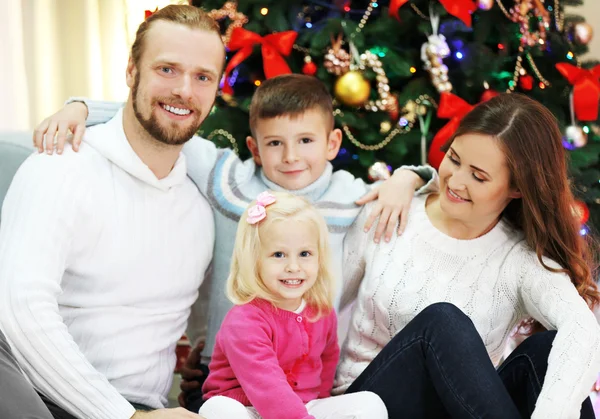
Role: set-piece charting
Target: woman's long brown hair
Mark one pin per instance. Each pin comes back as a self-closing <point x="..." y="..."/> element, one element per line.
<point x="532" y="142"/>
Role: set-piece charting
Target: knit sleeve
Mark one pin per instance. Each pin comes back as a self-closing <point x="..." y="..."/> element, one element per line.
<point x="99" y="111"/>
<point x="48" y="201"/>
<point x="255" y="365"/>
<point x="429" y="176"/>
<point x="355" y="244"/>
<point x="330" y="357"/>
<point x="574" y="360"/>
<point x="207" y="164"/>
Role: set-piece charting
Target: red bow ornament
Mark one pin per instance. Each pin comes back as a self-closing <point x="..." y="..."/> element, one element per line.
<point x="461" y="9"/>
<point x="149" y="13"/>
<point x="451" y="107"/>
<point x="273" y="46"/>
<point x="586" y="89"/>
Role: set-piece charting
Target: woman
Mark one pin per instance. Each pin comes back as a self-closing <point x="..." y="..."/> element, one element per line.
<point x="498" y="245"/>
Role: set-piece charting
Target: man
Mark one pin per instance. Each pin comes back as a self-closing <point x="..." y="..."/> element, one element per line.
<point x="95" y="292"/>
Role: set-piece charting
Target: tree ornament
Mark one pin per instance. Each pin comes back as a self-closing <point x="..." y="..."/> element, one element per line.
<point x="371" y="60"/>
<point x="309" y="68"/>
<point x="485" y="4"/>
<point x="149" y="13"/>
<point x="526" y="82"/>
<point x="582" y="33"/>
<point x="586" y="89"/>
<point x="229" y="11"/>
<point x="488" y="94"/>
<point x="576" y="136"/>
<point x="521" y="13"/>
<point x="385" y="127"/>
<point x="411" y="110"/>
<point x="393" y="108"/>
<point x="462" y="9"/>
<point x="337" y="60"/>
<point x="352" y="89"/>
<point x="432" y="53"/>
<point x="580" y="211"/>
<point x="379" y="171"/>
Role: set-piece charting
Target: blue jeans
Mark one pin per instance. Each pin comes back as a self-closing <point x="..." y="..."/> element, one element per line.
<point x="437" y="367"/>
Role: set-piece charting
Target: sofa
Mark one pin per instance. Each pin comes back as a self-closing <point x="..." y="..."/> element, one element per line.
<point x="15" y="147"/>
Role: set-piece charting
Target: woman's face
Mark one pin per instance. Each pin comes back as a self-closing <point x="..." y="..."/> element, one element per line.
<point x="475" y="180"/>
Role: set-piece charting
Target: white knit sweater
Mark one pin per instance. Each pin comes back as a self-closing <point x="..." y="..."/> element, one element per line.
<point x="495" y="279"/>
<point x="100" y="262"/>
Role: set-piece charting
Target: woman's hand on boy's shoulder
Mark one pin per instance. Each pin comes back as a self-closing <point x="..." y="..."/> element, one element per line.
<point x="394" y="197"/>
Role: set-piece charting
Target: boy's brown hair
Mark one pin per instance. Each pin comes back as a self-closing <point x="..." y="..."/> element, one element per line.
<point x="290" y="95"/>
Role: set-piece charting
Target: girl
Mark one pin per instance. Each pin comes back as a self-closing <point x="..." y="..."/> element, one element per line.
<point x="276" y="352"/>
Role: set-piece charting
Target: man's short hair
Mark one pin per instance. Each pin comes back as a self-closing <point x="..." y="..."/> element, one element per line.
<point x="190" y="16"/>
<point x="289" y="95"/>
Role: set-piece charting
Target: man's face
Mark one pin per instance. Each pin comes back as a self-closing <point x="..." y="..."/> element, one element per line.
<point x="174" y="85"/>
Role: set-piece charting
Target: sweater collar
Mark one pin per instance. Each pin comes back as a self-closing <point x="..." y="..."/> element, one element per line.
<point x="110" y="141"/>
<point x="312" y="192"/>
<point x="501" y="232"/>
<point x="279" y="312"/>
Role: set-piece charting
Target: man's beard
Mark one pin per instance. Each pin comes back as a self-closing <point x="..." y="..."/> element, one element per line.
<point x="173" y="136"/>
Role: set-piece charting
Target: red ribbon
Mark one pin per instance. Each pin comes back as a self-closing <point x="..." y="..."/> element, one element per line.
<point x="586" y="89"/>
<point x="273" y="46"/>
<point x="149" y="13"/>
<point x="461" y="9"/>
<point x="451" y="107"/>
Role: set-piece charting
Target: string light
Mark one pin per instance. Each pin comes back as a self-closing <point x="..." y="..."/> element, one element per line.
<point x="308" y="25"/>
<point x="413" y="70"/>
<point x="459" y="55"/>
<point x="500" y="47"/>
<point x="542" y="85"/>
<point x="586" y="129"/>
<point x="257" y="83"/>
<point x="570" y="55"/>
<point x="264" y="11"/>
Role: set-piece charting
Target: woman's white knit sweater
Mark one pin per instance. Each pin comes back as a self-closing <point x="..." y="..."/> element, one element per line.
<point x="495" y="279"/>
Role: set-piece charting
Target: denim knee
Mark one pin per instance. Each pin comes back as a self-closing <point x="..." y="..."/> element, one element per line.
<point x="446" y="319"/>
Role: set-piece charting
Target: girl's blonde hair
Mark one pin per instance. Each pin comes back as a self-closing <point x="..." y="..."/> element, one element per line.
<point x="244" y="283"/>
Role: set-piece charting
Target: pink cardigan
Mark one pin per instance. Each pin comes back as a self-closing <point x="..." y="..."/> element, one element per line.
<point x="274" y="360"/>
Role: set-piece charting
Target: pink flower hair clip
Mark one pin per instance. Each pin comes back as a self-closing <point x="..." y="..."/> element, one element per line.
<point x="258" y="212"/>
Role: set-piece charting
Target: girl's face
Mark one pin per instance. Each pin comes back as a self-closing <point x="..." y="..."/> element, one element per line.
<point x="475" y="180"/>
<point x="289" y="260"/>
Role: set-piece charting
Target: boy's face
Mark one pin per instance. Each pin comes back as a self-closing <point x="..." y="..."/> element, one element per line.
<point x="293" y="151"/>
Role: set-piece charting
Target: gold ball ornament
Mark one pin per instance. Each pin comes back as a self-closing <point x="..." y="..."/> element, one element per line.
<point x="379" y="171"/>
<point x="576" y="135"/>
<point x="583" y="33"/>
<point x="352" y="89"/>
<point x="485" y="4"/>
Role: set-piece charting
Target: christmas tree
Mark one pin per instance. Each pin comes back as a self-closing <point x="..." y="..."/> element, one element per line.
<point x="403" y="73"/>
